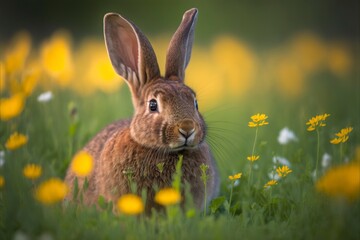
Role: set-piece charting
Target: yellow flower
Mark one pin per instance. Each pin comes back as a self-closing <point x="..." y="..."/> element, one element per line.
<point x="317" y="121"/>
<point x="57" y="59"/>
<point x="94" y="69"/>
<point x="341" y="181"/>
<point x="283" y="171"/>
<point x="11" y="107"/>
<point x="258" y="120"/>
<point x="82" y="164"/>
<point x="236" y="176"/>
<point x="2" y="77"/>
<point x="2" y="181"/>
<point x="51" y="191"/>
<point x="130" y="204"/>
<point x="167" y="196"/>
<point x="16" y="57"/>
<point x="15" y="141"/>
<point x="270" y="183"/>
<point x="339" y="58"/>
<point x="32" y="171"/>
<point x="253" y="158"/>
<point x="342" y="136"/>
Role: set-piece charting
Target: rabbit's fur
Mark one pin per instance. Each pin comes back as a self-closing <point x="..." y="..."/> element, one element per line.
<point x="155" y="134"/>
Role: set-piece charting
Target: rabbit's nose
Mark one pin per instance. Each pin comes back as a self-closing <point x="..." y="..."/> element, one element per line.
<point x="187" y="127"/>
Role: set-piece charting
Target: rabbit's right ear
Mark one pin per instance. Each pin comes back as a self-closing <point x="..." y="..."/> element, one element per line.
<point x="130" y="52"/>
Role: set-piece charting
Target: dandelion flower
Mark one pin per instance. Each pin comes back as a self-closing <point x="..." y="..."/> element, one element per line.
<point x="258" y="120"/>
<point x="342" y="136"/>
<point x="317" y="122"/>
<point x="270" y="183"/>
<point x="32" y="171"/>
<point x="167" y="196"/>
<point x="11" y="107"/>
<point x="236" y="176"/>
<point x="82" y="164"/>
<point x="15" y="141"/>
<point x="2" y="181"/>
<point x="51" y="191"/>
<point x="130" y="204"/>
<point x="341" y="181"/>
<point x="253" y="158"/>
<point x="283" y="171"/>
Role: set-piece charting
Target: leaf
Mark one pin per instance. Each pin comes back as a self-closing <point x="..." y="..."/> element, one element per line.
<point x="101" y="202"/>
<point x="76" y="189"/>
<point x="216" y="203"/>
<point x="177" y="176"/>
<point x="86" y="184"/>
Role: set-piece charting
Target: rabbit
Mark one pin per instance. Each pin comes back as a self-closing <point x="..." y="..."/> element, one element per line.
<point x="166" y="121"/>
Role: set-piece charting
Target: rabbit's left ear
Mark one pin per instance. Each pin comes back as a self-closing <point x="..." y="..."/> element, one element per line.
<point x="179" y="51"/>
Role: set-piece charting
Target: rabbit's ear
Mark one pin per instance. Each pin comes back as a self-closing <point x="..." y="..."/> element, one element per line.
<point x="179" y="52"/>
<point x="130" y="52"/>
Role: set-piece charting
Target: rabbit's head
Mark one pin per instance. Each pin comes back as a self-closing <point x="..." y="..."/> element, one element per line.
<point x="166" y="112"/>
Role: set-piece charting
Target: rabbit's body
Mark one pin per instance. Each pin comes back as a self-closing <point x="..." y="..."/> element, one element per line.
<point x="166" y="122"/>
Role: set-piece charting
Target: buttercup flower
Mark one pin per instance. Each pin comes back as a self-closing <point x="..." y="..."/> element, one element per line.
<point x="130" y="204"/>
<point x="32" y="171"/>
<point x="253" y="158"/>
<point x="11" y="107"/>
<point x="270" y="183"/>
<point x="167" y="196"/>
<point x="342" y="136"/>
<point x="317" y="122"/>
<point x="341" y="181"/>
<point x="283" y="171"/>
<point x="258" y="120"/>
<point x="236" y="176"/>
<point x="82" y="164"/>
<point x="51" y="191"/>
<point x="15" y="141"/>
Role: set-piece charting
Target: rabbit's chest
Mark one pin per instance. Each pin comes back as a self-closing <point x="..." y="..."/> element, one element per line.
<point x="160" y="172"/>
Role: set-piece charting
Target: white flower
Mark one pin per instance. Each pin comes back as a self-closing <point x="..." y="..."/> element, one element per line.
<point x="45" y="96"/>
<point x="281" y="161"/>
<point x="2" y="158"/>
<point x="326" y="160"/>
<point x="273" y="175"/>
<point x="286" y="136"/>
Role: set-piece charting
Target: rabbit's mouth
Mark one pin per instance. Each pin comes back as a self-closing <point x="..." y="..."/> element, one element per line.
<point x="183" y="143"/>
<point x="183" y="147"/>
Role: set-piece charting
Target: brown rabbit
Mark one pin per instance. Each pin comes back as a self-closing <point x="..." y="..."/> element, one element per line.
<point x="166" y="121"/>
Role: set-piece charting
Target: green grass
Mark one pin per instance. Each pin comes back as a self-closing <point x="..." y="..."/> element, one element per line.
<point x="290" y="210"/>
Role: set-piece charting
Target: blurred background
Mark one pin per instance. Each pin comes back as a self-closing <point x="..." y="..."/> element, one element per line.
<point x="288" y="59"/>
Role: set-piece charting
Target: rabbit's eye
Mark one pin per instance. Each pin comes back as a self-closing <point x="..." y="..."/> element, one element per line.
<point x="196" y="104"/>
<point x="153" y="105"/>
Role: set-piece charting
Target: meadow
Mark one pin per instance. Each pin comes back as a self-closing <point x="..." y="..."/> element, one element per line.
<point x="283" y="124"/>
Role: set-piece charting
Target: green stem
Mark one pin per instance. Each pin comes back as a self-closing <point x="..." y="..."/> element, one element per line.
<point x="256" y="133"/>
<point x="252" y="154"/>
<point x="317" y="152"/>
<point x="341" y="152"/>
<point x="205" y="199"/>
<point x="231" y="193"/>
